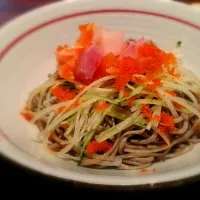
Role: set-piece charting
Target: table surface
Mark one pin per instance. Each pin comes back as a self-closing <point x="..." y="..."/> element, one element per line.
<point x="11" y="174"/>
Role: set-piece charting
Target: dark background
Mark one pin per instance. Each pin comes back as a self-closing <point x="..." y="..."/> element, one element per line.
<point x="18" y="179"/>
<point x="12" y="8"/>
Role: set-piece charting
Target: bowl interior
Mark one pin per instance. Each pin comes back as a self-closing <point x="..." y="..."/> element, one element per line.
<point x="28" y="61"/>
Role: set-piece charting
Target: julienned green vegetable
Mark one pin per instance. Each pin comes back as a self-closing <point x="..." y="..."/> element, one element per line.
<point x="179" y="44"/>
<point x="92" y="131"/>
<point x="89" y="137"/>
<point x="119" y="127"/>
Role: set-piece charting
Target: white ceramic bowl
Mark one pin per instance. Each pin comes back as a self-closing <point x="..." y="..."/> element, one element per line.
<point x="27" y="56"/>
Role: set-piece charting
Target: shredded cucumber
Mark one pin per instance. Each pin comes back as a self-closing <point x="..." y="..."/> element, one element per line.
<point x="118" y="128"/>
<point x="105" y="112"/>
<point x="135" y="91"/>
<point x="140" y="121"/>
<point x="89" y="137"/>
<point x="150" y="101"/>
<point x="100" y="97"/>
<point x="124" y="115"/>
<point x="118" y="113"/>
<point x="70" y="119"/>
<point x="121" y="94"/>
<point x="130" y="87"/>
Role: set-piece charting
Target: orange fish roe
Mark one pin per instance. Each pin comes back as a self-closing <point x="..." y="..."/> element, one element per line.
<point x="127" y="68"/>
<point x="156" y="118"/>
<point x="166" y="119"/>
<point x="63" y="94"/>
<point x="149" y="76"/>
<point x="146" y="110"/>
<point x="170" y="59"/>
<point x="95" y="147"/>
<point x="126" y="92"/>
<point x="107" y="66"/>
<point x="162" y="129"/>
<point x="171" y="93"/>
<point x="27" y="116"/>
<point x="101" y="106"/>
<point x="149" y="63"/>
<point x="138" y="79"/>
<point x="76" y="104"/>
<point x="155" y="83"/>
<point x="177" y="105"/>
<point x="52" y="135"/>
<point x="166" y="124"/>
<point x="131" y="100"/>
<point x="164" y="132"/>
<point x="59" y="109"/>
<point x="152" y="58"/>
<point x="175" y="75"/>
<point x="144" y="170"/>
<point x="65" y="126"/>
